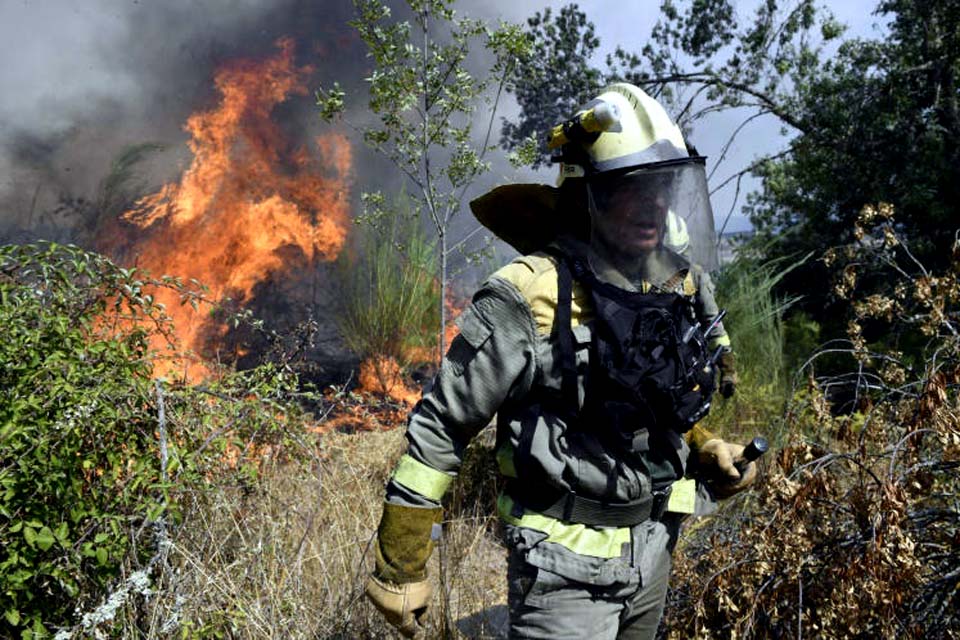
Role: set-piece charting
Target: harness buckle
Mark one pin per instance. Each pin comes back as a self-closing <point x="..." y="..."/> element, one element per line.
<point x="660" y="500"/>
<point x="568" y="506"/>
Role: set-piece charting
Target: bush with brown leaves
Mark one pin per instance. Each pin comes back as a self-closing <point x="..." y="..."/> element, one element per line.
<point x="853" y="530"/>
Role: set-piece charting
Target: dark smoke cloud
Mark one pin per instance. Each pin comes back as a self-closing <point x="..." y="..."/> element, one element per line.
<point x="83" y="80"/>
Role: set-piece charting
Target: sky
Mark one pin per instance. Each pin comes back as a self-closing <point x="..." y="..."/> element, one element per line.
<point x="83" y="79"/>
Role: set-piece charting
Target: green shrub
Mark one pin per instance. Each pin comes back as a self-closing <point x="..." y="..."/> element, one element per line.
<point x="79" y="467"/>
<point x="87" y="514"/>
<point x="801" y="338"/>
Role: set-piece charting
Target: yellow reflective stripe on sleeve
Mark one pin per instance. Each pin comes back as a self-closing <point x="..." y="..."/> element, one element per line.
<point x="683" y="496"/>
<point x="719" y="341"/>
<point x="698" y="436"/>
<point x="579" y="538"/>
<point x="426" y="481"/>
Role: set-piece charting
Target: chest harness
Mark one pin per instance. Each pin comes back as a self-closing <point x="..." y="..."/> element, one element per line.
<point x="651" y="377"/>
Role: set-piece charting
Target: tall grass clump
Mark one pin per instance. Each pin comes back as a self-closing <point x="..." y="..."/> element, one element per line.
<point x="754" y="320"/>
<point x="390" y="289"/>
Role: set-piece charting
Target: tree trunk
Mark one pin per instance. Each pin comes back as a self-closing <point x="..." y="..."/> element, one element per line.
<point x="443" y="298"/>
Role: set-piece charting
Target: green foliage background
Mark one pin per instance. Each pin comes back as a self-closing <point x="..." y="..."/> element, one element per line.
<point x="84" y="500"/>
<point x="79" y="453"/>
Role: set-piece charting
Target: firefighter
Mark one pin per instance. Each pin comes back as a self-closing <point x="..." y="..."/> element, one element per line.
<point x="590" y="355"/>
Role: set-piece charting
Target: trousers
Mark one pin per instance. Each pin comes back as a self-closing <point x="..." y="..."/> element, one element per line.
<point x="545" y="605"/>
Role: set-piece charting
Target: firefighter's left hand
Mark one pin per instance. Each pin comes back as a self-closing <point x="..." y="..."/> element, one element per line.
<point x="717" y="458"/>
<point x="728" y="374"/>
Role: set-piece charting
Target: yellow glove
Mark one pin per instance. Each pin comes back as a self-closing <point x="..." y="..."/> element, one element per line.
<point x="398" y="587"/>
<point x="403" y="605"/>
<point x="717" y="459"/>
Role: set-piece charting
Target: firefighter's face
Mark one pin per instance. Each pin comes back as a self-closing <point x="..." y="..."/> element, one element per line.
<point x="631" y="220"/>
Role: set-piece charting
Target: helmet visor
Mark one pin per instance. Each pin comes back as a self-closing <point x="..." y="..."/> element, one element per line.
<point x="652" y="222"/>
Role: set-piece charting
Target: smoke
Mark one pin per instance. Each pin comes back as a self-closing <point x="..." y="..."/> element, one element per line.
<point x="82" y="81"/>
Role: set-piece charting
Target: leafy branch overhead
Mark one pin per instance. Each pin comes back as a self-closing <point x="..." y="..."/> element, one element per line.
<point x="700" y="58"/>
<point x="425" y="96"/>
<point x="425" y="92"/>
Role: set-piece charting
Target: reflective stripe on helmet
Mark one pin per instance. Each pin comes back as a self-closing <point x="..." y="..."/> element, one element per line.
<point x="579" y="538"/>
<point x="425" y="480"/>
<point x="677" y="238"/>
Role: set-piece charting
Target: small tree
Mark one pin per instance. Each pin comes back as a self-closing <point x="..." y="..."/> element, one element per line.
<point x="425" y="98"/>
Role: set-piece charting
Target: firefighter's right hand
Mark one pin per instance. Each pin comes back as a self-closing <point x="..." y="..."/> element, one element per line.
<point x="403" y="605"/>
<point x="717" y="460"/>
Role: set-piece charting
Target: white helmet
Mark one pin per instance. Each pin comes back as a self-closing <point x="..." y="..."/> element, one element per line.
<point x="636" y="132"/>
<point x="643" y="186"/>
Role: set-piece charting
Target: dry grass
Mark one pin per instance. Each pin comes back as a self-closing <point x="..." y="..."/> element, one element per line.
<point x="288" y="556"/>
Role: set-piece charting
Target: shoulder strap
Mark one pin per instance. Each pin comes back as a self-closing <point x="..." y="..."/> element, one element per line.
<point x="563" y="326"/>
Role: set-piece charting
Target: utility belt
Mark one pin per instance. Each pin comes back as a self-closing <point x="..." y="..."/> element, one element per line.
<point x="570" y="507"/>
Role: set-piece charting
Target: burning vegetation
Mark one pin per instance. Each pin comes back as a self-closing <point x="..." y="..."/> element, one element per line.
<point x="251" y="205"/>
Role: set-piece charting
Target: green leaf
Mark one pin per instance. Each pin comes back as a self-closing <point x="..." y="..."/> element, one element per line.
<point x="45" y="539"/>
<point x="30" y="535"/>
<point x="12" y="616"/>
<point x="101" y="556"/>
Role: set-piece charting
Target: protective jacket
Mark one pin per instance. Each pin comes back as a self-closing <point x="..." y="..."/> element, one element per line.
<point x="507" y="361"/>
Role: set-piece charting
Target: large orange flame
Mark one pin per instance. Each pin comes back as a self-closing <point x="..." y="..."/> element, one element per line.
<point x="249" y="204"/>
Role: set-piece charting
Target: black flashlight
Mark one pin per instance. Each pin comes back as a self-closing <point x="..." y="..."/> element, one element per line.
<point x="757" y="447"/>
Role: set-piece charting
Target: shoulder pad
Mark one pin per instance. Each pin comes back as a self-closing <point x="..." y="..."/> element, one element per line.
<point x="535" y="277"/>
<point x="525" y="271"/>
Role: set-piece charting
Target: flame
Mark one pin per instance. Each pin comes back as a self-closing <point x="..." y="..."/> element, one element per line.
<point x="249" y="204"/>
<point x="383" y="376"/>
